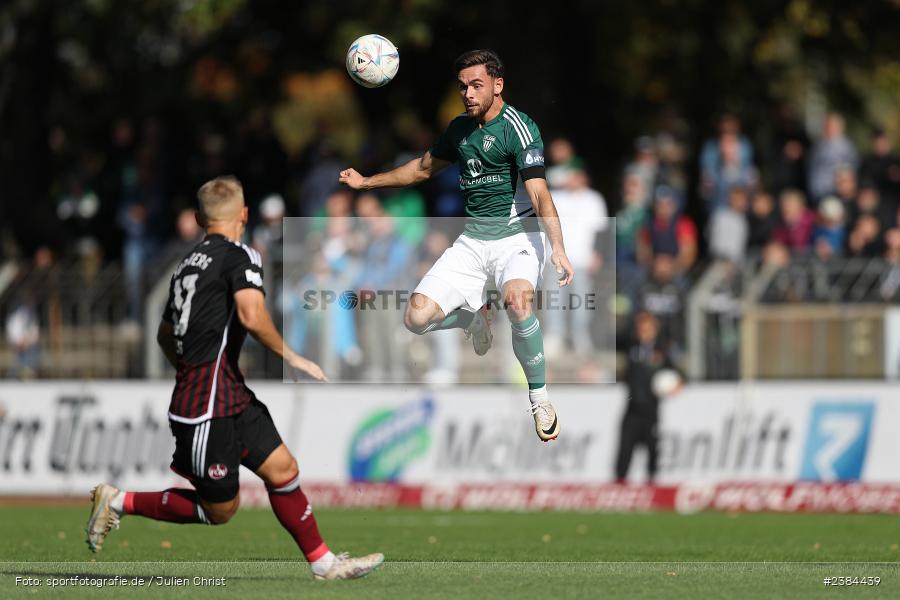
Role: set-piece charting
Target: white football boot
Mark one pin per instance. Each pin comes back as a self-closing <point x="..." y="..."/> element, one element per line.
<point x="545" y="421"/>
<point x="103" y="516"/>
<point x="352" y="567"/>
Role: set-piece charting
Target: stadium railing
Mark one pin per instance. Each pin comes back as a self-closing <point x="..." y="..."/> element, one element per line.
<point x="806" y="319"/>
<point x="80" y="309"/>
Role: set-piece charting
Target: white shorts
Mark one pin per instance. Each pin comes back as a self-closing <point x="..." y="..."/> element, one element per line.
<point x="459" y="276"/>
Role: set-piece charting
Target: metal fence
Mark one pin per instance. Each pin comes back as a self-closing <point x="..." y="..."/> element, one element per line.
<point x="78" y="310"/>
<point x="807" y="319"/>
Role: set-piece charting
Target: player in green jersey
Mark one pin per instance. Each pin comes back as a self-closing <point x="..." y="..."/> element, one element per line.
<point x="496" y="146"/>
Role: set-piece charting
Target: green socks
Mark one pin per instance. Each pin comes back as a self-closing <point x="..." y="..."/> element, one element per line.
<point x="528" y="344"/>
<point x="459" y="318"/>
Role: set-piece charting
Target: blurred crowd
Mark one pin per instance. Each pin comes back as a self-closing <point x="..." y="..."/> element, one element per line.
<point x="369" y="242"/>
<point x="678" y="205"/>
<point x="132" y="201"/>
<point x="818" y="197"/>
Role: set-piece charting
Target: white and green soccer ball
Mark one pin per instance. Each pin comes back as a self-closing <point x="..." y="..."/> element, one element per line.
<point x="372" y="60"/>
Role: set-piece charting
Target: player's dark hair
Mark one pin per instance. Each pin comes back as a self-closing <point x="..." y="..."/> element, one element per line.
<point x="492" y="63"/>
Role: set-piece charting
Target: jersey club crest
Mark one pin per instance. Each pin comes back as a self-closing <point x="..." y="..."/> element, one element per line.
<point x="217" y="471"/>
<point x="487" y="142"/>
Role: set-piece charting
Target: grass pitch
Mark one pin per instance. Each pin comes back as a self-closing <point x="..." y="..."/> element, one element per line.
<point x="440" y="555"/>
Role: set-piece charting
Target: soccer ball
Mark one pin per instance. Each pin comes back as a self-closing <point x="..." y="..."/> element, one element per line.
<point x="372" y="61"/>
<point x="665" y="382"/>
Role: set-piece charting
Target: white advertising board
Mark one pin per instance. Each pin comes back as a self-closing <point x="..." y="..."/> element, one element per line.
<point x="61" y="438"/>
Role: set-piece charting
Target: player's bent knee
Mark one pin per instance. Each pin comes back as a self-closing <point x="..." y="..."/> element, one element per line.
<point x="221" y="512"/>
<point x="416" y="321"/>
<point x="219" y="517"/>
<point x="290" y="472"/>
<point x="281" y="475"/>
<point x="518" y="308"/>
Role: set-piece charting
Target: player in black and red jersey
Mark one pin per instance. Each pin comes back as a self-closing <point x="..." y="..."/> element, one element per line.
<point x="216" y="297"/>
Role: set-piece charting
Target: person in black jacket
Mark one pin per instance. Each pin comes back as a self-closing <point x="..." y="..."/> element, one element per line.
<point x="646" y="356"/>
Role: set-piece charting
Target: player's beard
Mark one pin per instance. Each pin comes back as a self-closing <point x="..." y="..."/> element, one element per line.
<point x="481" y="108"/>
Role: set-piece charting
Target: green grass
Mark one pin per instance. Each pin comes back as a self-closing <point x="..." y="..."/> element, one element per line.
<point x="491" y="555"/>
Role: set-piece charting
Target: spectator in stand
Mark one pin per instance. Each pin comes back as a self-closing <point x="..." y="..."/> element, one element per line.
<point x="672" y="147"/>
<point x="869" y="202"/>
<point x="831" y="151"/>
<point x="23" y="335"/>
<point x="209" y="158"/>
<point x="562" y="158"/>
<point x="730" y="171"/>
<point x="327" y="333"/>
<point x="78" y="209"/>
<point x="668" y="232"/>
<point x="187" y="235"/>
<point x="892" y="246"/>
<point x="187" y="229"/>
<point x="583" y="216"/>
<point x="368" y="207"/>
<point x="881" y="166"/>
<point x="140" y="216"/>
<point x="763" y="220"/>
<point x="448" y="199"/>
<point x="646" y="164"/>
<point x="338" y="205"/>
<point x="846" y="186"/>
<point x="729" y="230"/>
<point x="267" y="238"/>
<point x="319" y="181"/>
<point x="258" y="158"/>
<point x="729" y="126"/>
<point x="407" y="207"/>
<point x="776" y="254"/>
<point x="797" y="222"/>
<point x="664" y="297"/>
<point x="268" y="235"/>
<point x="340" y="246"/>
<point x="889" y="289"/>
<point x="865" y="239"/>
<point x="344" y="241"/>
<point x="790" y="152"/>
<point x="630" y="220"/>
<point x="830" y="233"/>
<point x="386" y="265"/>
<point x="118" y="165"/>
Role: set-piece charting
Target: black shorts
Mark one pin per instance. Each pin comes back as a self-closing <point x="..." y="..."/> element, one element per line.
<point x="209" y="453"/>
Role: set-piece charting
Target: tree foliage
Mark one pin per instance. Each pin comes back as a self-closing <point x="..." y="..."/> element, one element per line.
<point x="597" y="71"/>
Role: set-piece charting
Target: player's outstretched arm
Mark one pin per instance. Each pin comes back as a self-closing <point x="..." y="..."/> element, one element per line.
<point x="415" y="171"/>
<point x="255" y="317"/>
<point x="165" y="337"/>
<point x="543" y="205"/>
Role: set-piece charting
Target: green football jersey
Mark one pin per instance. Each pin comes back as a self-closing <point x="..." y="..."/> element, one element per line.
<point x="490" y="159"/>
